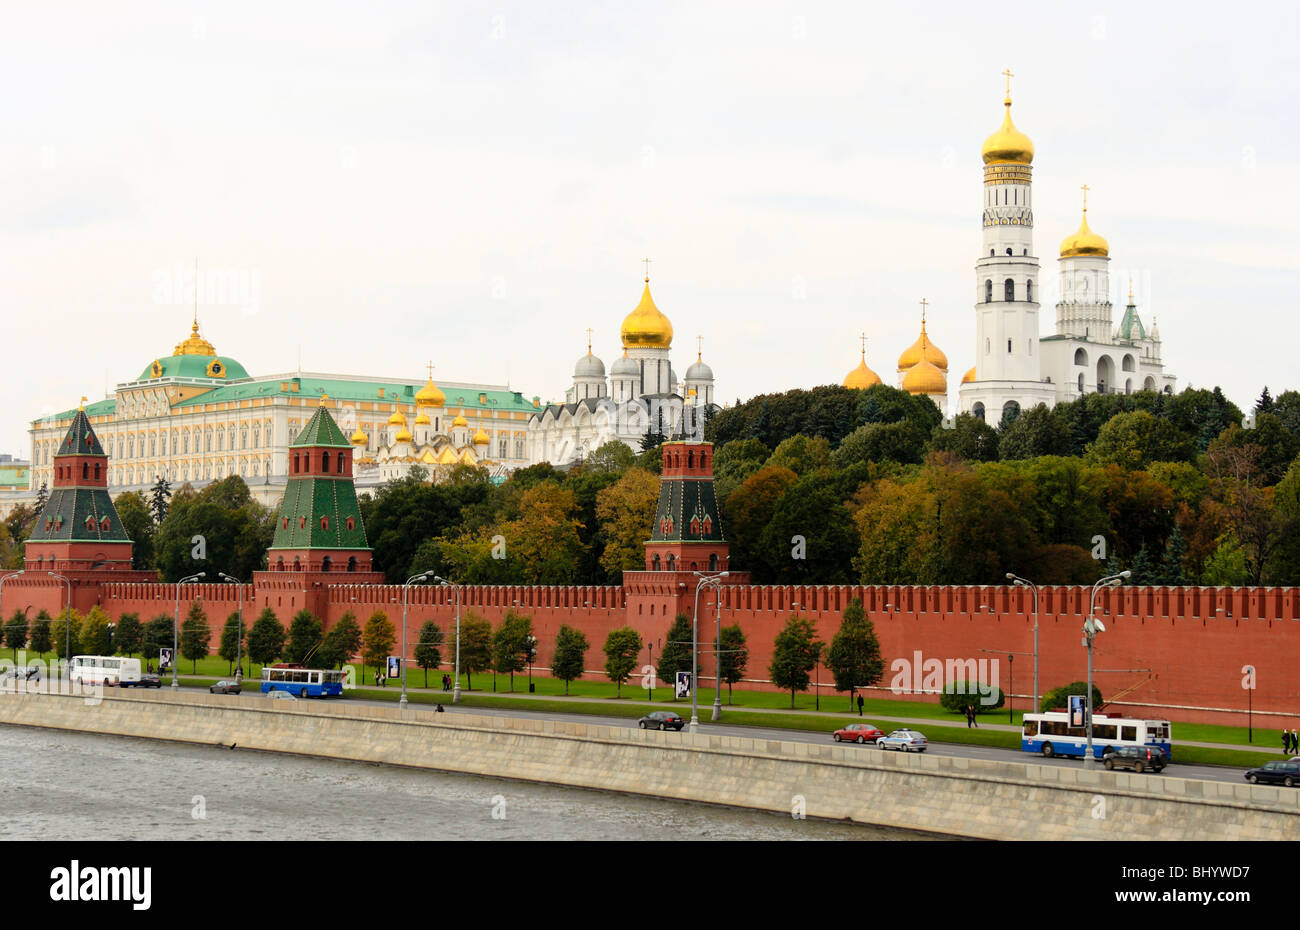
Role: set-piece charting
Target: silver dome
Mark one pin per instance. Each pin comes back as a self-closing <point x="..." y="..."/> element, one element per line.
<point x="589" y="367"/>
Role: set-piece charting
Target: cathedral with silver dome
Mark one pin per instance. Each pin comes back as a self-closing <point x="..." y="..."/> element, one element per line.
<point x="641" y="395"/>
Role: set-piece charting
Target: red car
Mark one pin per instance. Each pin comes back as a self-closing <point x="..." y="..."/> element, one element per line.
<point x="859" y="733"/>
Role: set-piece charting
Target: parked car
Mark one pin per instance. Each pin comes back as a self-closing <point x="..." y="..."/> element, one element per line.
<point x="1282" y="772"/>
<point x="277" y="695"/>
<point x="149" y="681"/>
<point x="1137" y="758"/>
<point x="903" y="740"/>
<point x="858" y="733"/>
<point x="661" y="720"/>
<point x="225" y="687"/>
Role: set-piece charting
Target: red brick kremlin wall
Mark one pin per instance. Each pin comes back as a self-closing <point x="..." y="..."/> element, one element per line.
<point x="1183" y="648"/>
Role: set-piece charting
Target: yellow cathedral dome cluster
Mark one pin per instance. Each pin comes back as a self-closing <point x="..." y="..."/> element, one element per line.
<point x="430" y="396"/>
<point x="646" y="325"/>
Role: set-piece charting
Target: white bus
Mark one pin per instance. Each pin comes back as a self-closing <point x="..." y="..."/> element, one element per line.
<point x="1052" y="735"/>
<point x="108" y="670"/>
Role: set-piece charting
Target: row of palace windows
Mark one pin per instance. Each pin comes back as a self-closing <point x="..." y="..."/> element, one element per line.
<point x="219" y="440"/>
<point x="1008" y="290"/>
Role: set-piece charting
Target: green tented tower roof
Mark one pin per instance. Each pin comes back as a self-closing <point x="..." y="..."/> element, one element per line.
<point x="322" y="431"/>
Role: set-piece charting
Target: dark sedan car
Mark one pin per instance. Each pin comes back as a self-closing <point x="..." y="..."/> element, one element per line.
<point x="225" y="687"/>
<point x="1282" y="772"/>
<point x="150" y="681"/>
<point x="1137" y="758"/>
<point x="858" y="733"/>
<point x="661" y="720"/>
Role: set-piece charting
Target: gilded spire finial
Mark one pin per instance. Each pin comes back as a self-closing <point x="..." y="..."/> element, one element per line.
<point x="862" y="338"/>
<point x="1084" y="188"/>
<point x="924" y="303"/>
<point x="1008" y="75"/>
<point x="430" y="368"/>
<point x="82" y="405"/>
<point x="1130" y="288"/>
<point x="699" y="348"/>
<point x="647" y="270"/>
<point x="588" y="340"/>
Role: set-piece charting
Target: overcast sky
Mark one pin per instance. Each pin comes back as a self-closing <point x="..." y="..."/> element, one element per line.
<point x="476" y="184"/>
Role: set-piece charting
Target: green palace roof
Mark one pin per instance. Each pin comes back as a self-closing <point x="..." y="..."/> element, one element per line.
<point x="215" y="367"/>
<point x="349" y="391"/>
<point x="344" y="391"/>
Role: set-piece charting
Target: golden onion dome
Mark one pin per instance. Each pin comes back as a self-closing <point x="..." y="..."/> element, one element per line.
<point x="460" y="421"/>
<point x="397" y="419"/>
<point x="1008" y="145"/>
<point x="923" y="350"/>
<point x="422" y="419"/>
<point x="861" y="377"/>
<point x="481" y="438"/>
<point x="359" y="438"/>
<point x="925" y="378"/>
<point x="195" y="344"/>
<point x="646" y="326"/>
<point x="969" y="377"/>
<point x="403" y="435"/>
<point x="430" y="396"/>
<point x="1084" y="241"/>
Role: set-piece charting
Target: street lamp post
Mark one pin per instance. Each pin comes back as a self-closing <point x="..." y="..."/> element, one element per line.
<point x="1091" y="627"/>
<point x="717" y="652"/>
<point x="1023" y="583"/>
<point x="1011" y="687"/>
<point x="67" y="617"/>
<point x="455" y="691"/>
<point x="176" y="629"/>
<point x="705" y="580"/>
<point x="406" y="589"/>
<point x="532" y="650"/>
<point x="239" y="642"/>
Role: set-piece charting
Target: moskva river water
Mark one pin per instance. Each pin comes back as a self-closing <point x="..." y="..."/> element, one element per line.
<point x="75" y="786"/>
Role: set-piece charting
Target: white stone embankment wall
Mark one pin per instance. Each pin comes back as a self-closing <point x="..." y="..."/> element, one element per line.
<point x="928" y="792"/>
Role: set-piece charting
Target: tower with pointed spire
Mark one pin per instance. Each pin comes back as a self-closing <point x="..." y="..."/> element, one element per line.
<point x="318" y="527"/>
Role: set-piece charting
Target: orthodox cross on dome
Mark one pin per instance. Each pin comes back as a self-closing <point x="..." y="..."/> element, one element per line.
<point x="699" y="348"/>
<point x="588" y="340"/>
<point x="863" y="339"/>
<point x="924" y="303"/>
<point x="647" y="270"/>
<point x="1084" y="188"/>
<point x="1008" y="75"/>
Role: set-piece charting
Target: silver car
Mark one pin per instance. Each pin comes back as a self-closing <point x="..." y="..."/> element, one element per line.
<point x="276" y="694"/>
<point x="904" y="740"/>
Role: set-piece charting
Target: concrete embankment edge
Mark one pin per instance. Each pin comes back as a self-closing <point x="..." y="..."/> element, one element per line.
<point x="941" y="794"/>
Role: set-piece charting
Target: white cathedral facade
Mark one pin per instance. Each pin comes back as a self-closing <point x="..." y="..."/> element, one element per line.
<point x="641" y="395"/>
<point x="1016" y="369"/>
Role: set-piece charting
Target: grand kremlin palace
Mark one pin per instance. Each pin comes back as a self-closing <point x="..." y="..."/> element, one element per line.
<point x="196" y="416"/>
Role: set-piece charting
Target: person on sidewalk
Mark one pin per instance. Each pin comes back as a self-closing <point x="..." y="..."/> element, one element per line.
<point x="1295" y="744"/>
<point x="860" y="702"/>
<point x="1286" y="743"/>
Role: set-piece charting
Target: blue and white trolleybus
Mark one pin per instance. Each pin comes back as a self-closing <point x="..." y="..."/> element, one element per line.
<point x="302" y="682"/>
<point x="1052" y="735"/>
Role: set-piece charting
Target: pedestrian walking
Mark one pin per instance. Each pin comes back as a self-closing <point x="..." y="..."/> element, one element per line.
<point x="1286" y="743"/>
<point x="969" y="717"/>
<point x="860" y="702"/>
<point x="1295" y="744"/>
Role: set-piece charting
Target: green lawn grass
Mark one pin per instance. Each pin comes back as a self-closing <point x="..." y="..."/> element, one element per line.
<point x="741" y="706"/>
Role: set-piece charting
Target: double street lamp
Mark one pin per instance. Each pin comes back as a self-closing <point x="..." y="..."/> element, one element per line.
<point x="1025" y="583"/>
<point x="455" y="691"/>
<point x="1091" y="627"/>
<point x="239" y="643"/>
<point x="704" y="582"/>
<point x="176" y="626"/>
<point x="406" y="588"/>
<point x="67" y="617"/>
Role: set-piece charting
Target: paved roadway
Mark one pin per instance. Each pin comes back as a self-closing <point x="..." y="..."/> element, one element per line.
<point x="993" y="753"/>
